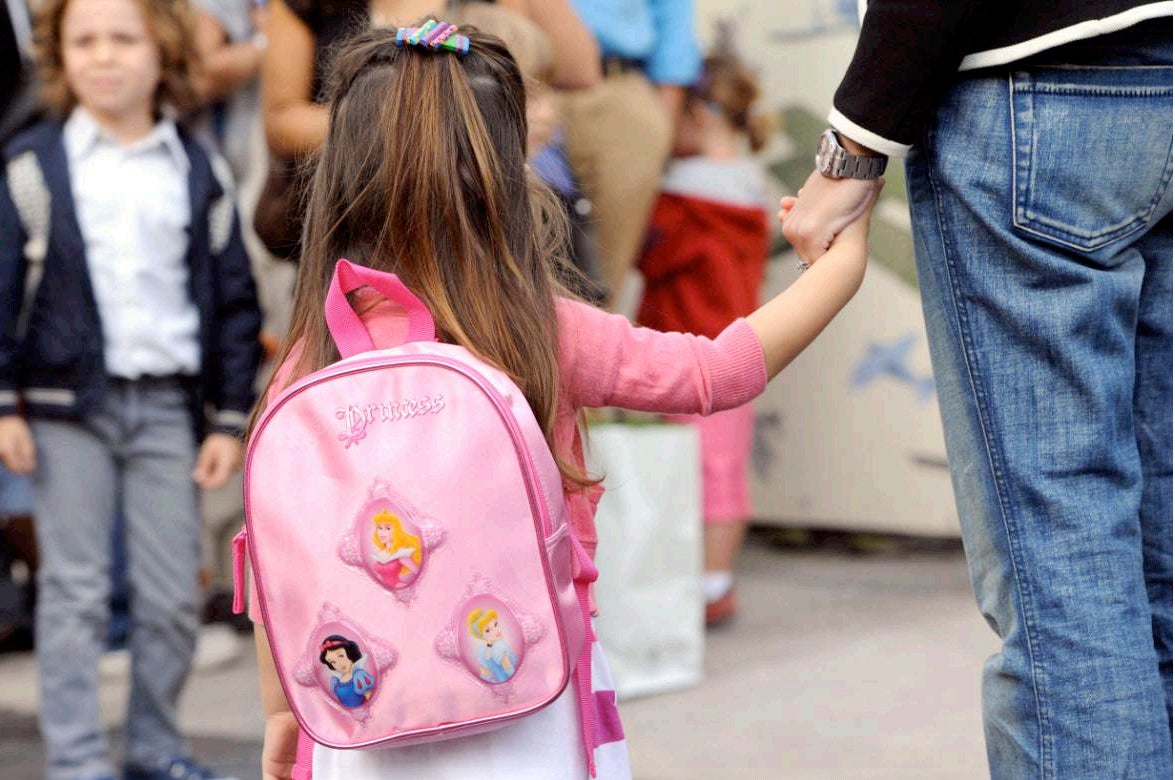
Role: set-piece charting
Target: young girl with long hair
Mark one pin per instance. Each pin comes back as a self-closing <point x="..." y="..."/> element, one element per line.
<point x="423" y="174"/>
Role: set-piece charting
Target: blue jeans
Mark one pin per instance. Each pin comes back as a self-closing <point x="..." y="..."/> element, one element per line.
<point x="137" y="446"/>
<point x="1041" y="203"/>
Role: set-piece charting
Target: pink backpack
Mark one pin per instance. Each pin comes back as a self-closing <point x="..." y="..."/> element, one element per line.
<point x="409" y="541"/>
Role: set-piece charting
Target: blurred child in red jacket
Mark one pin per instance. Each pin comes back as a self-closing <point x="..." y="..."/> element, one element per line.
<point x="703" y="265"/>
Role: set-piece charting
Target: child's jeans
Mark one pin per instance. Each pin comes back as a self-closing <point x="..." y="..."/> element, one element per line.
<point x="138" y="448"/>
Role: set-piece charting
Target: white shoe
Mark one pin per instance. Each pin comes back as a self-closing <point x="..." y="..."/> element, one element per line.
<point x="216" y="646"/>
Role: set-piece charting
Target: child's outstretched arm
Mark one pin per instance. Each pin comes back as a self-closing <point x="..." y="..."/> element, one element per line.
<point x="790" y="321"/>
<point x="604" y="360"/>
<point x="280" y="749"/>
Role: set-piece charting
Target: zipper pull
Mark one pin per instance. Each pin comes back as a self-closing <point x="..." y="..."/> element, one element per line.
<point x="240" y="550"/>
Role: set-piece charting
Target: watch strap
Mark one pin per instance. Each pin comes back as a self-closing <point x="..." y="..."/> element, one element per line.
<point x="851" y="166"/>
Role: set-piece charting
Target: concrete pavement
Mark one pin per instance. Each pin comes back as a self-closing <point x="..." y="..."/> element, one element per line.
<point x="838" y="666"/>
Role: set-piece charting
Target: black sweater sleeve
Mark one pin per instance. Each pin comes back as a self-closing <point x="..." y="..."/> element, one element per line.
<point x="908" y="52"/>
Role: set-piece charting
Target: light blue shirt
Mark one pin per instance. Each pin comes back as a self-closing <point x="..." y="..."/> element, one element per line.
<point x="659" y="33"/>
<point x="134" y="210"/>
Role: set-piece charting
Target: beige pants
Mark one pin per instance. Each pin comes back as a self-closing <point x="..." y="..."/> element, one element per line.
<point x="618" y="139"/>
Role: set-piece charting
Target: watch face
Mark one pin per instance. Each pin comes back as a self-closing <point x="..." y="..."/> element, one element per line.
<point x="825" y="152"/>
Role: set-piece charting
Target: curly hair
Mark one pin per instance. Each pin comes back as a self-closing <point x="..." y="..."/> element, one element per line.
<point x="169" y="22"/>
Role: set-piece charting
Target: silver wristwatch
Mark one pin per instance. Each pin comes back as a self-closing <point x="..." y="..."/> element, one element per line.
<point x="836" y="162"/>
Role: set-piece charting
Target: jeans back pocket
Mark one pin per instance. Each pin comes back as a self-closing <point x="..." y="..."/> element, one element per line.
<point x="1091" y="152"/>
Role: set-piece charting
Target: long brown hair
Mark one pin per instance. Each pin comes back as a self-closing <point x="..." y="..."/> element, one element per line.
<point x="423" y="174"/>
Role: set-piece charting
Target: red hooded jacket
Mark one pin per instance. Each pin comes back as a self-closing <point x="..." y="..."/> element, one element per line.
<point x="703" y="264"/>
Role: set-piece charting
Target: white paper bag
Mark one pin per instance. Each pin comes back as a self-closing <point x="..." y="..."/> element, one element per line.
<point x="649" y="555"/>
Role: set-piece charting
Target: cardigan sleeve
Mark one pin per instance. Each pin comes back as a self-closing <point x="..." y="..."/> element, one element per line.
<point x="238" y="324"/>
<point x="907" y="54"/>
<point x="12" y="275"/>
<point x="605" y="360"/>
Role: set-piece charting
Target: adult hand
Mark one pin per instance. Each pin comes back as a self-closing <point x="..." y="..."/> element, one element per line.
<point x="823" y="209"/>
<point x="18" y="452"/>
<point x="220" y="456"/>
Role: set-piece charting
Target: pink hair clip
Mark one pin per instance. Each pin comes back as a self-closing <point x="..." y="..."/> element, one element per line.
<point x="433" y="35"/>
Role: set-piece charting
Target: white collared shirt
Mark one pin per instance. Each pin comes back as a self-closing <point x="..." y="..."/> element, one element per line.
<point x="133" y="209"/>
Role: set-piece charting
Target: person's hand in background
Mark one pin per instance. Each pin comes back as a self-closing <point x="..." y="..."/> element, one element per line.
<point x="18" y="452"/>
<point x="220" y="456"/>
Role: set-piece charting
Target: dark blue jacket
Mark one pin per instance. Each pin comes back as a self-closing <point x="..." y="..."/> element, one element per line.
<point x="58" y="369"/>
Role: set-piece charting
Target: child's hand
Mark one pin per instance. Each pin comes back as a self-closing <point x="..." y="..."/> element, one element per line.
<point x="823" y="209"/>
<point x="219" y="457"/>
<point x="18" y="452"/>
<point x="791" y="320"/>
<point x="855" y="233"/>
<point x="280" y="749"/>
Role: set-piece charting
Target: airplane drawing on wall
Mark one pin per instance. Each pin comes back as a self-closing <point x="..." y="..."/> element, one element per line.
<point x="891" y="360"/>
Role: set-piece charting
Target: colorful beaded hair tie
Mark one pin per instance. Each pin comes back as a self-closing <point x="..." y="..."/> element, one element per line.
<point x="433" y="35"/>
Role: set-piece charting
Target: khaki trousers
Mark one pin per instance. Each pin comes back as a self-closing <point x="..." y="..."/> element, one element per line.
<point x="619" y="136"/>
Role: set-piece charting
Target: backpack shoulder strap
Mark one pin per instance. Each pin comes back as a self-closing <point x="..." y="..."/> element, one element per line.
<point x="30" y="195"/>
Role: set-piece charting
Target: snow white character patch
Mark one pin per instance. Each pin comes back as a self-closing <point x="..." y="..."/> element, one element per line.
<point x="345" y="663"/>
<point x="351" y="683"/>
<point x="391" y="540"/>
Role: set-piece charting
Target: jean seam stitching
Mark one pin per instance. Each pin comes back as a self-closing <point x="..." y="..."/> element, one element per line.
<point x="1086" y="91"/>
<point x="1026" y="612"/>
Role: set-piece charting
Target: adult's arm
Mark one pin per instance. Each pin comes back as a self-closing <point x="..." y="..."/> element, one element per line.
<point x="224" y="66"/>
<point x="576" y="52"/>
<point x="294" y="123"/>
<point x="906" y="55"/>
